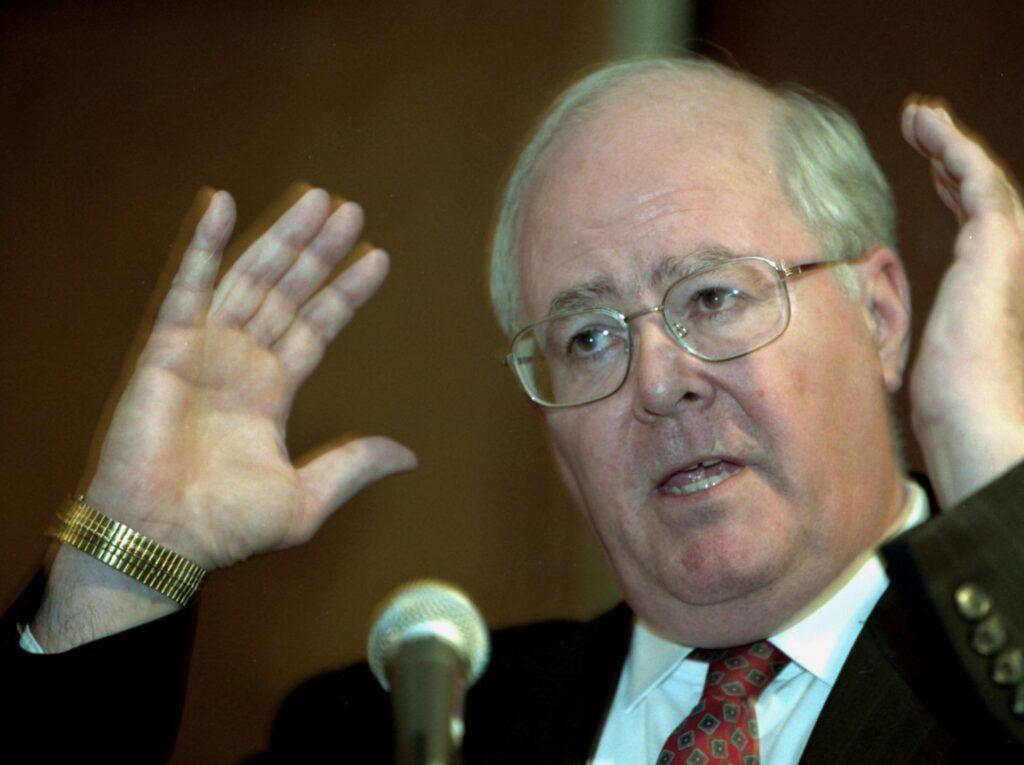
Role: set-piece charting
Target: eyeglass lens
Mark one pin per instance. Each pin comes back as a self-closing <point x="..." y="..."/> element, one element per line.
<point x="718" y="313"/>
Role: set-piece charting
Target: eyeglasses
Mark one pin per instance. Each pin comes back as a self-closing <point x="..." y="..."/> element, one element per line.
<point x="718" y="313"/>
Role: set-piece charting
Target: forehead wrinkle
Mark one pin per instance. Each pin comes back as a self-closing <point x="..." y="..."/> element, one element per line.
<point x="651" y="206"/>
<point x="654" y="204"/>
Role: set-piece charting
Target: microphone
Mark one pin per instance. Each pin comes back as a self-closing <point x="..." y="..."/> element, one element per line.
<point x="428" y="644"/>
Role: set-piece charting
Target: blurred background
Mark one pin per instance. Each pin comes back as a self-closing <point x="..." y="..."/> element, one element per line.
<point x="113" y="114"/>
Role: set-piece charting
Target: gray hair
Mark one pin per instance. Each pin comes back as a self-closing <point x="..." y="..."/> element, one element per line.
<point x="827" y="173"/>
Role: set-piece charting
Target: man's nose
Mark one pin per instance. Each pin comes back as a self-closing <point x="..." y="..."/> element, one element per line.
<point x="666" y="377"/>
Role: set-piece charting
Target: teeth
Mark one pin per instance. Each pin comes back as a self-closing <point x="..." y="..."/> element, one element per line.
<point x="698" y="477"/>
<point x="705" y="463"/>
<point x="690" y="488"/>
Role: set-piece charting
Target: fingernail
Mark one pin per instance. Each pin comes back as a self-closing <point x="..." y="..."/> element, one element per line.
<point x="943" y="114"/>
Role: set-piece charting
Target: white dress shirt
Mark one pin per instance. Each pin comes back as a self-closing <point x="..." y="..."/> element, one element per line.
<point x="659" y="684"/>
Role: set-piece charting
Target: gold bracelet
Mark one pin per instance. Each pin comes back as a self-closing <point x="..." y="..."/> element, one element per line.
<point x="127" y="551"/>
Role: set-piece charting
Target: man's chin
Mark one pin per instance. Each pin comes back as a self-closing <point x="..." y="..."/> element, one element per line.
<point x="703" y="578"/>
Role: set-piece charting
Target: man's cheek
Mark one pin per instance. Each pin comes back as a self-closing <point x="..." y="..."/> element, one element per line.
<point x="566" y="462"/>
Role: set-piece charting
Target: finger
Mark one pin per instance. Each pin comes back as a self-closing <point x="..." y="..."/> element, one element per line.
<point x="191" y="289"/>
<point x="918" y="119"/>
<point x="307" y="273"/>
<point x="970" y="180"/>
<point x="320" y="320"/>
<point x="243" y="288"/>
<point x="332" y="477"/>
<point x="925" y="126"/>
<point x="949" y="193"/>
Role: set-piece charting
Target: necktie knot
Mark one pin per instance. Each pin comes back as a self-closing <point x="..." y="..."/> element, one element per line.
<point x="741" y="672"/>
<point x="722" y="728"/>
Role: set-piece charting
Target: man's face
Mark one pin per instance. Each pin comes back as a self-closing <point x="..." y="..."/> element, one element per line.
<point x="726" y="495"/>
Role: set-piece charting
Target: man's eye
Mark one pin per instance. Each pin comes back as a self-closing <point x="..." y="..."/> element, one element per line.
<point x="588" y="342"/>
<point x="715" y="299"/>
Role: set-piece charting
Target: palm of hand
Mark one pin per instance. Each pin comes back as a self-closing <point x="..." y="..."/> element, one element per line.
<point x="195" y="455"/>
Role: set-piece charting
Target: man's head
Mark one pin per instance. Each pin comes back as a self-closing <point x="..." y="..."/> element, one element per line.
<point x="726" y="495"/>
<point x="825" y="168"/>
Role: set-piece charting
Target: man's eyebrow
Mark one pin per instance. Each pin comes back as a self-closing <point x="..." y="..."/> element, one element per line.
<point x="597" y="292"/>
<point x="676" y="267"/>
<point x="602" y="291"/>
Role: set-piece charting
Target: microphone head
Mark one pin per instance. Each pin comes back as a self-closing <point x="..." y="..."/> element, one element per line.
<point x="428" y="608"/>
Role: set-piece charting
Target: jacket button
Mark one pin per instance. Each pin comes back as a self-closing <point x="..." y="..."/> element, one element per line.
<point x="972" y="601"/>
<point x="1018" y="701"/>
<point x="1008" y="667"/>
<point x="989" y="636"/>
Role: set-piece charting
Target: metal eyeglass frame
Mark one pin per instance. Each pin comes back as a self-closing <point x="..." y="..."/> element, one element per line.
<point x="675" y="330"/>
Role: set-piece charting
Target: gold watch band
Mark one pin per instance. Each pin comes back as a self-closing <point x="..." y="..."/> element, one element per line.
<point x="127" y="551"/>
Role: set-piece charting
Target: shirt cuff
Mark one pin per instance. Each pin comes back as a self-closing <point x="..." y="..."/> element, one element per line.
<point x="28" y="641"/>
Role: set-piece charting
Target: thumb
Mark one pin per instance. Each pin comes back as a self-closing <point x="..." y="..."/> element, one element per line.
<point x="339" y="470"/>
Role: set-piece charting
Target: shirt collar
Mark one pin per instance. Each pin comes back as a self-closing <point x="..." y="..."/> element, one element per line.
<point x="819" y="642"/>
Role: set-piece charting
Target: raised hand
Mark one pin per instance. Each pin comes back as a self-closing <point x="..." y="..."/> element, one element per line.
<point x="195" y="455"/>
<point x="967" y="387"/>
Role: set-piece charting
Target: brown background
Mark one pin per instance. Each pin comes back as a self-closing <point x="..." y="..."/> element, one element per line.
<point x="113" y="114"/>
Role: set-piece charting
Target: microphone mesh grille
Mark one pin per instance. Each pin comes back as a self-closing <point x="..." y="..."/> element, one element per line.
<point x="428" y="608"/>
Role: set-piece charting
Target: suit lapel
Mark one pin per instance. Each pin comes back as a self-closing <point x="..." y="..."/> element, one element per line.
<point x="875" y="712"/>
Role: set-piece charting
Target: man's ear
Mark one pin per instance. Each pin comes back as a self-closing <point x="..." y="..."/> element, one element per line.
<point x="885" y="293"/>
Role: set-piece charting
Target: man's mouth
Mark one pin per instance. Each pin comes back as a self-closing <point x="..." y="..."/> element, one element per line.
<point x="699" y="476"/>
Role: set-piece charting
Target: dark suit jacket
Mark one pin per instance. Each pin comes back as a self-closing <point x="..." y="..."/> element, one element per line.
<point x="913" y="689"/>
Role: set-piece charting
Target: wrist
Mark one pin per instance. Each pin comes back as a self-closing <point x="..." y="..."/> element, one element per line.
<point x="123" y="548"/>
<point x="87" y="600"/>
<point x="964" y="455"/>
<point x="148" y="509"/>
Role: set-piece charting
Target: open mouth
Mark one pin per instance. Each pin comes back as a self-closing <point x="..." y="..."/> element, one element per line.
<point x="700" y="476"/>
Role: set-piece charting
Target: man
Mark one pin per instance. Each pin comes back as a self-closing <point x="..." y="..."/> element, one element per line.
<point x="715" y="382"/>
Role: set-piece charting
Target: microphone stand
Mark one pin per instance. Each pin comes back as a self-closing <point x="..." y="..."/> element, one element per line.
<point x="426" y="697"/>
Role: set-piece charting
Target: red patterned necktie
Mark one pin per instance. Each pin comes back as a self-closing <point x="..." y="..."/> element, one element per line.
<point x="722" y="728"/>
